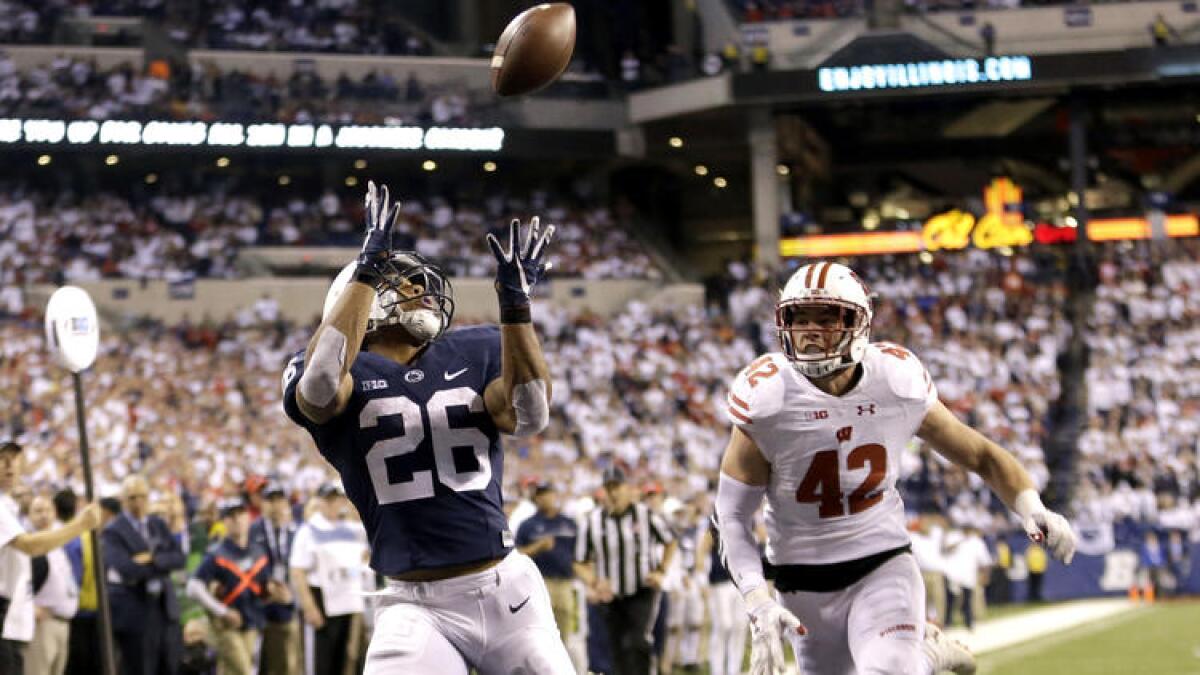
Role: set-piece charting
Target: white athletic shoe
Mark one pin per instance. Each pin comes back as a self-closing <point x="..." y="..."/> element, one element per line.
<point x="947" y="654"/>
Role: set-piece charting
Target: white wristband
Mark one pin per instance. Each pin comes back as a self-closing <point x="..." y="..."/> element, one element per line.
<point x="1028" y="503"/>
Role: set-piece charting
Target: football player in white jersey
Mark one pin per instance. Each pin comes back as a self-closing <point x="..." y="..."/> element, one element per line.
<point x="819" y="428"/>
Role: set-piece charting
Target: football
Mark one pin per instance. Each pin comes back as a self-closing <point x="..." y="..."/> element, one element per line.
<point x="534" y="49"/>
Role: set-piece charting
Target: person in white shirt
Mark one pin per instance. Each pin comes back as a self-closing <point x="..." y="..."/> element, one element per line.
<point x="927" y="550"/>
<point x="966" y="557"/>
<point x="56" y="598"/>
<point x="328" y="560"/>
<point x="16" y="546"/>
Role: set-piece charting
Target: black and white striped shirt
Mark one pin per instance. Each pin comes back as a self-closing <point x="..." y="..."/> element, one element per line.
<point x="623" y="547"/>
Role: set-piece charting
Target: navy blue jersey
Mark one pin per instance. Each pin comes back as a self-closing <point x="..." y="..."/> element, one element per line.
<point x="241" y="575"/>
<point x="555" y="563"/>
<point x="419" y="456"/>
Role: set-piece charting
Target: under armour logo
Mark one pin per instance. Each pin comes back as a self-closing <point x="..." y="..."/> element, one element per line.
<point x="868" y="409"/>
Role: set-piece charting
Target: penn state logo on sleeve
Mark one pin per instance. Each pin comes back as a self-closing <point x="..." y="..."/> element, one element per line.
<point x="757" y="392"/>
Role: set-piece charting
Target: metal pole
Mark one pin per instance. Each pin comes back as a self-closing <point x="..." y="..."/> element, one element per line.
<point x="107" y="662"/>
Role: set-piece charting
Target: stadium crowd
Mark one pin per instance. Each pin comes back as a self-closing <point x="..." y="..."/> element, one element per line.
<point x="196" y="407"/>
<point x="72" y="88"/>
<point x="756" y="11"/>
<point x="344" y="26"/>
<point x="180" y="236"/>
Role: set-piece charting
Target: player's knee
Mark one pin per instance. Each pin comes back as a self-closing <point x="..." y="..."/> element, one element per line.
<point x="888" y="656"/>
<point x="405" y="641"/>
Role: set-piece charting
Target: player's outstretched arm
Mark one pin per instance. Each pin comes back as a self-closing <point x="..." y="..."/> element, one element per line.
<point x="743" y="483"/>
<point x="519" y="400"/>
<point x="1002" y="472"/>
<point x="326" y="385"/>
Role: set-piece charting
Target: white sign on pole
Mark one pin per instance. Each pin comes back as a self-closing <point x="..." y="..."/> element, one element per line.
<point x="72" y="329"/>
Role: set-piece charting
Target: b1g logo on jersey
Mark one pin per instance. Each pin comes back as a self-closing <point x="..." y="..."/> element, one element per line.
<point x="809" y="415"/>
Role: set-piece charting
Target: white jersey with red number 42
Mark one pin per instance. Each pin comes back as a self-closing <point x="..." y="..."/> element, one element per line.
<point x="834" y="459"/>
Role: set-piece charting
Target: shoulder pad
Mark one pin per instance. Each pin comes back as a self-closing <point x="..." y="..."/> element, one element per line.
<point x="757" y="391"/>
<point x="906" y="375"/>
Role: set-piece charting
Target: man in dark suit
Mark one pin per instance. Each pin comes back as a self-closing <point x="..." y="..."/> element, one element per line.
<point x="140" y="553"/>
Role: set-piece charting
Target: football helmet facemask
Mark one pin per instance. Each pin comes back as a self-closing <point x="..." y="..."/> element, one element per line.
<point x="430" y="309"/>
<point x="843" y="339"/>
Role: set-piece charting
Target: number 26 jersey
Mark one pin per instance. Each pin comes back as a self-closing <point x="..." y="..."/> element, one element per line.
<point x="419" y="456"/>
<point x="834" y="459"/>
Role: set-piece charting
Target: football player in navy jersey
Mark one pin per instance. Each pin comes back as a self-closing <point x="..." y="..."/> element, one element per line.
<point x="410" y="414"/>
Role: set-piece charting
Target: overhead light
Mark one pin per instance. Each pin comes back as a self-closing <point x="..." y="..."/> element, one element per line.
<point x="112" y="160"/>
<point x="782" y="169"/>
<point x="222" y="162"/>
<point x="351" y="181"/>
<point x="429" y="165"/>
<point x="720" y="182"/>
<point x="675" y="142"/>
<point x="285" y="180"/>
<point x="1071" y="222"/>
<point x="360" y="164"/>
<point x="701" y="170"/>
<point x="489" y="166"/>
<point x="43" y="160"/>
<point x="151" y="178"/>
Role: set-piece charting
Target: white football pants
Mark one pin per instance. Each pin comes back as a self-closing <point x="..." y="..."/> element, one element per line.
<point x="498" y="621"/>
<point x="730" y="627"/>
<point x="876" y="626"/>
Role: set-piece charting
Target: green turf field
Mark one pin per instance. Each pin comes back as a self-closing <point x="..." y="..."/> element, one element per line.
<point x="1160" y="640"/>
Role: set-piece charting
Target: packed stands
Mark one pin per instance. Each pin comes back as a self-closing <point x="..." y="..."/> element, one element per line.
<point x="69" y="88"/>
<point x="174" y="236"/>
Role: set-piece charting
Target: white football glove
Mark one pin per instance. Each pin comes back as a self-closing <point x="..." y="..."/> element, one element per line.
<point x="1045" y="527"/>
<point x="770" y="623"/>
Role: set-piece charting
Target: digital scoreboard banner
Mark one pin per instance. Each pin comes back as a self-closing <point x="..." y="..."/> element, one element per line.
<point x="233" y="135"/>
<point x="924" y="74"/>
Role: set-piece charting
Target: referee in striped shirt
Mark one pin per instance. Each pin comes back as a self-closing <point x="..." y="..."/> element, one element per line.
<point x="616" y="556"/>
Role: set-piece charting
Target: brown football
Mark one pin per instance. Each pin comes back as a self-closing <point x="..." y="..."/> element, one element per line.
<point x="534" y="49"/>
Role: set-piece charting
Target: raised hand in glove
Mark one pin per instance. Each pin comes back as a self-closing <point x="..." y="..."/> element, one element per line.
<point x="519" y="267"/>
<point x="770" y="624"/>
<point x="381" y="217"/>
<point x="1045" y="526"/>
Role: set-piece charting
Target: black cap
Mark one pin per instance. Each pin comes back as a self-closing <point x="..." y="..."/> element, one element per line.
<point x="542" y="487"/>
<point x="228" y="507"/>
<point x="330" y="490"/>
<point x="10" y="446"/>
<point x="614" y="474"/>
<point x="273" y="489"/>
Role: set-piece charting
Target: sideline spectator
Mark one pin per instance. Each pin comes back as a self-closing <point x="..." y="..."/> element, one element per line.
<point x="140" y="553"/>
<point x="17" y="614"/>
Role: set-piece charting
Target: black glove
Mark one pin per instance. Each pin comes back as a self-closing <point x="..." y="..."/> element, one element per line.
<point x="377" y="247"/>
<point x="520" y="267"/>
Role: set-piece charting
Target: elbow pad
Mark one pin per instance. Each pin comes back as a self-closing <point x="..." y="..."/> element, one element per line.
<point x="323" y="374"/>
<point x="532" y="408"/>
<point x="736" y="504"/>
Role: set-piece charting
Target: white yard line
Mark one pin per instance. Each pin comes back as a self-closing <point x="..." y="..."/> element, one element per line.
<point x="998" y="634"/>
